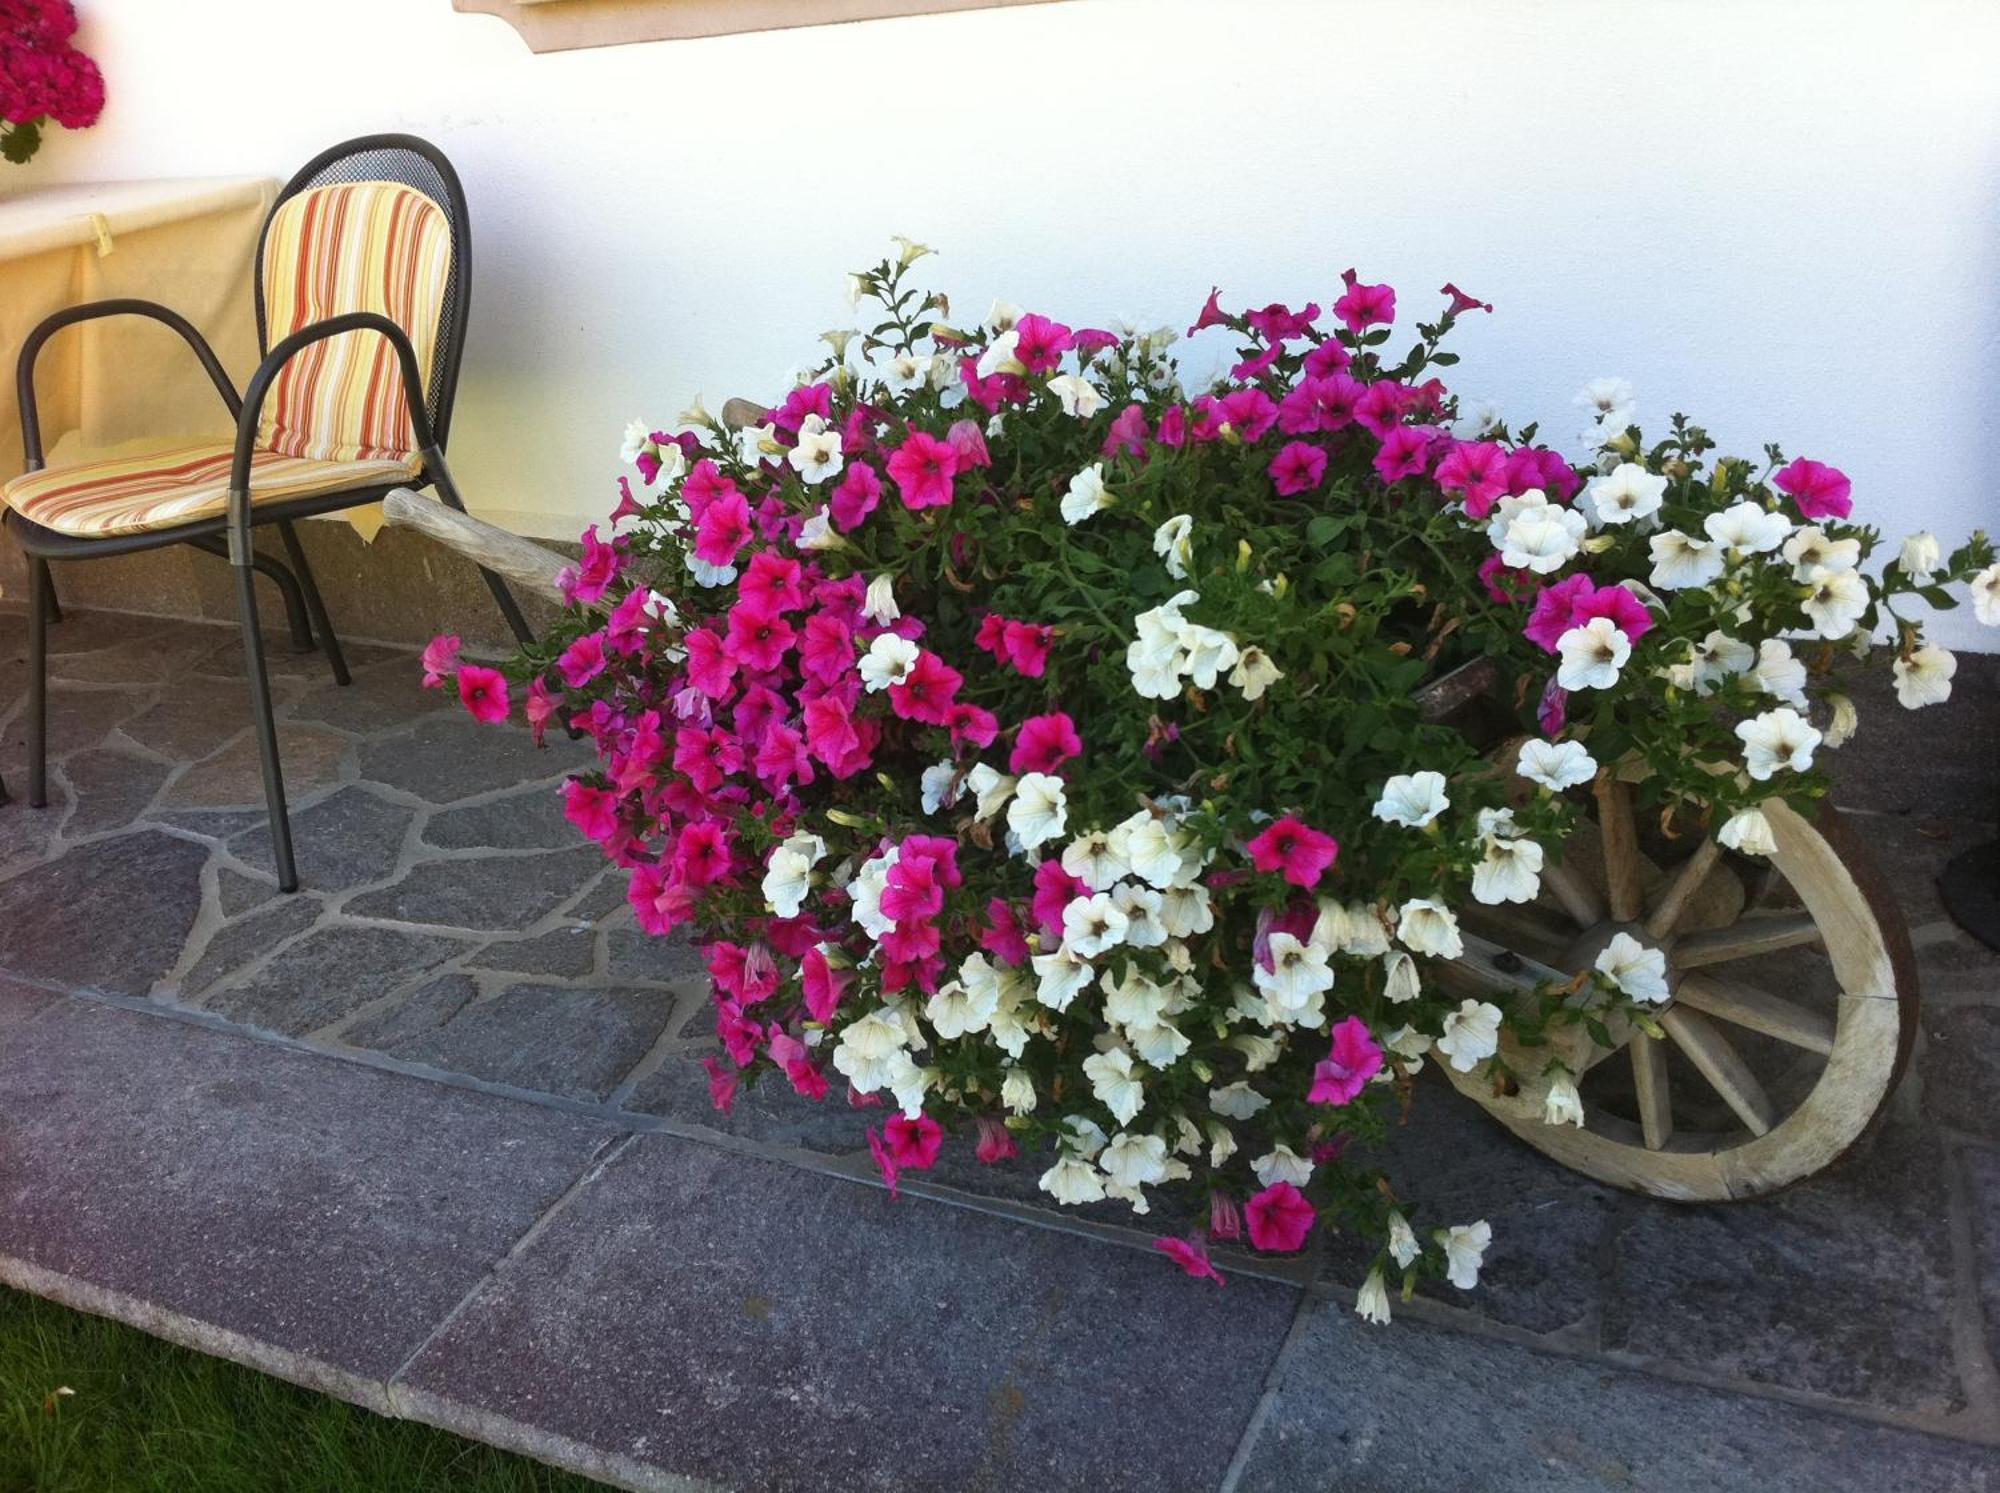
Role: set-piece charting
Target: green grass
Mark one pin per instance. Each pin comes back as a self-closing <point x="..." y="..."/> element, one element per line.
<point x="148" y="1417"/>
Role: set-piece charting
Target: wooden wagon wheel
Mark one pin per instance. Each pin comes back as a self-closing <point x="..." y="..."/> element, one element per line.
<point x="1793" y="1005"/>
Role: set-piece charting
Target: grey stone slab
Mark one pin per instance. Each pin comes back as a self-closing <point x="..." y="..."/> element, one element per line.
<point x="605" y="899"/>
<point x="578" y="1043"/>
<point x="633" y="954"/>
<point x="418" y="1014"/>
<point x="489" y="893"/>
<point x="772" y="1112"/>
<point x="19" y="1004"/>
<point x="233" y="777"/>
<point x="1960" y="1063"/>
<point x="218" y="825"/>
<point x="348" y="839"/>
<point x="328" y="975"/>
<point x="385" y="698"/>
<point x="1982" y="1168"/>
<point x="28" y="834"/>
<point x="530" y="820"/>
<point x="113" y="915"/>
<point x="241" y="943"/>
<point x="451" y="757"/>
<point x="237" y="893"/>
<point x="1842" y="1286"/>
<point x="282" y="660"/>
<point x="1910" y="850"/>
<point x="194" y="717"/>
<point x="1416" y="1407"/>
<point x="318" y="1206"/>
<point x="134" y="650"/>
<point x="79" y="719"/>
<point x="1453" y="1164"/>
<point x="111" y="789"/>
<point x="717" y="1316"/>
<point x="568" y="952"/>
<point x="1954" y="742"/>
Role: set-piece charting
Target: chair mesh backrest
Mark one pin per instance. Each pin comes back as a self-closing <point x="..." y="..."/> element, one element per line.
<point x="420" y="166"/>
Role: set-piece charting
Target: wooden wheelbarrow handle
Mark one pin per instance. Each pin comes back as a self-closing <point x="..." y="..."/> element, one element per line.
<point x="521" y="561"/>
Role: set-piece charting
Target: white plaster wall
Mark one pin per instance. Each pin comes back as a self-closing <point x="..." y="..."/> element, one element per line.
<point x="1778" y="216"/>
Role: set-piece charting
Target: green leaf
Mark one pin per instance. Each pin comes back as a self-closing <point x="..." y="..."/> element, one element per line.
<point x="21" y="141"/>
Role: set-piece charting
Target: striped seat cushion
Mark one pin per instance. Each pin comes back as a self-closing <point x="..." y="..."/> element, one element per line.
<point x="360" y="246"/>
<point x="136" y="494"/>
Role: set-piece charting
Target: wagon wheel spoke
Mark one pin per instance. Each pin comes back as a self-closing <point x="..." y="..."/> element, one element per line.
<point x="1718" y="1062"/>
<point x="1758" y="1011"/>
<point x="1623" y="874"/>
<point x="1757" y="933"/>
<point x="1686" y="881"/>
<point x="1492" y="969"/>
<point x="1579" y="899"/>
<point x="1649" y="1080"/>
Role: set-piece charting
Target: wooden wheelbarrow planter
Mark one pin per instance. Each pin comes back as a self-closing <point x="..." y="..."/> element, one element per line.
<point x="1770" y="1068"/>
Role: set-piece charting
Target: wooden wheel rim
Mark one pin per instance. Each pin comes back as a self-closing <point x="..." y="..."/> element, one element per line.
<point x="1874" y="1027"/>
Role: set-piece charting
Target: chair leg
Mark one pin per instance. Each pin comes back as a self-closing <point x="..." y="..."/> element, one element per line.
<point x="38" y="683"/>
<point x="315" y="604"/>
<point x="54" y="607"/>
<point x="297" y="620"/>
<point x="504" y="598"/>
<point x="267" y="730"/>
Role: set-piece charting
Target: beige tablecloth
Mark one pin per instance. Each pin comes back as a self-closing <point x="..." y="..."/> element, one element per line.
<point x="123" y="382"/>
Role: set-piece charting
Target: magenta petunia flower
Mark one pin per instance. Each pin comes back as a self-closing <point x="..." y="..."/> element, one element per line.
<point x="1278" y="323"/>
<point x="440" y="657"/>
<point x="1129" y="432"/>
<point x="914" y="1144"/>
<point x="772" y="581"/>
<point x="855" y="496"/>
<point x="721" y="1085"/>
<point x="922" y="469"/>
<point x="1552" y="712"/>
<point x="1364" y="306"/>
<point x="1026" y="646"/>
<point x="1381" y="409"/>
<point x="1819" y="490"/>
<point x="1055" y="889"/>
<point x="1003" y="936"/>
<point x="971" y="725"/>
<point x="1250" y="412"/>
<point x="722" y="529"/>
<point x="885" y="1163"/>
<point x="1554" y="606"/>
<point x="1405" y="452"/>
<point x="1212" y="314"/>
<point x="969" y="441"/>
<point x="823" y="985"/>
<point x="594" y="811"/>
<point x="1323" y="402"/>
<point x="996" y="1141"/>
<point x="542" y="707"/>
<point x="1477" y="472"/>
<point x="1191" y="1255"/>
<point x="927" y="691"/>
<point x="758" y="638"/>
<point x="710" y="669"/>
<point x="1461" y="302"/>
<point x="1044" y="743"/>
<point x="1225" y="1216"/>
<point x="1353" y="1059"/>
<point x="483" y="692"/>
<point x="1279" y="1218"/>
<point x="582" y="661"/>
<point x="1297" y="468"/>
<point x="1040" y="343"/>
<point x="1301" y="852"/>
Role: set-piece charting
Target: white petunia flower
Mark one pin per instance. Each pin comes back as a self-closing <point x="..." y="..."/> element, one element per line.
<point x="1001" y="355"/>
<point x="955" y="1009"/>
<point x="1777" y="740"/>
<point x="1602" y="396"/>
<point x="1063" y="973"/>
<point x="1681" y="561"/>
<point x="936" y="787"/>
<point x="1039" y="810"/>
<point x="1924" y="678"/>
<point x="788" y="873"/>
<point x="1237" y="1101"/>
<point x="1718" y="658"/>
<point x="1464" y="1248"/>
<point x="1134" y="1160"/>
<point x="865" y="894"/>
<point x="1562" y="1105"/>
<point x="638" y="436"/>
<point x="817" y="533"/>
<point x="817" y="455"/>
<point x="1986" y="595"/>
<point x="1471" y="1034"/>
<point x="1400" y="981"/>
<point x="757" y="444"/>
<point x="1920" y="557"/>
<point x="1113" y="1083"/>
<point x="1846" y="718"/>
<point x="704" y="574"/>
<point x="1282" y="1164"/>
<point x="1629" y="494"/>
<point x="1838" y="599"/>
<point x="1413" y="799"/>
<point x="878" y="603"/>
<point x="1403" y="1245"/>
<point x="1592" y="655"/>
<point x="1254" y="672"/>
<point x="1639" y="971"/>
<point x="1205" y="653"/>
<point x="888" y="661"/>
<point x="1780" y="674"/>
<point x="1371" y="1302"/>
<point x="1001" y="317"/>
<point x="1510" y="871"/>
<point x="1093" y="924"/>
<point x="1072" y="1181"/>
<point x="1811" y="551"/>
<point x="1086" y="495"/>
<point x="1094" y="859"/>
<point x="991" y="787"/>
<point x="1748" y="831"/>
<point x="1158" y="851"/>
<point x="1141" y="906"/>
<point x="1748" y="527"/>
<point x="1173" y="542"/>
<point x="1017" y="1092"/>
<point x="1555" y="765"/>
<point x="1186" y="911"/>
<point x="1541" y="537"/>
<point x="1298" y="973"/>
<point x="1428" y="927"/>
<point x="1080" y="397"/>
<point x="867" y="1051"/>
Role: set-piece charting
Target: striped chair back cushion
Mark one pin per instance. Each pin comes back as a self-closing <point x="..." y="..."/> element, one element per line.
<point x="357" y="246"/>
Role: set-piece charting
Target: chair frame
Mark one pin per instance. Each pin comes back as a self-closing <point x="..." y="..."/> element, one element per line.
<point x="230" y="533"/>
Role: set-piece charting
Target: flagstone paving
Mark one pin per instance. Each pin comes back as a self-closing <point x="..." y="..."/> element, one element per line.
<point x="433" y="1134"/>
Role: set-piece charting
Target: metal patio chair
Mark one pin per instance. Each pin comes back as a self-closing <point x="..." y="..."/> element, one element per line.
<point x="363" y="278"/>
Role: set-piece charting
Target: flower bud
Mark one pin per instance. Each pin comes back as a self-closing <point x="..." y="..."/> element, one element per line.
<point x="1242" y="555"/>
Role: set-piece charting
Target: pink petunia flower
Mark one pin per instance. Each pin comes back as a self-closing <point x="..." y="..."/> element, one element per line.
<point x="1250" y="412"/>
<point x="966" y="438"/>
<point x="1364" y="306"/>
<point x="1040" y="343"/>
<point x="1344" y="1072"/>
<point x="440" y="657"/>
<point x="1819" y="490"/>
<point x="1027" y="646"/>
<point x="721" y="1085"/>
<point x="1225" y="1216"/>
<point x="758" y="638"/>
<point x="1055" y="889"/>
<point x="996" y="1141"/>
<point x="1552" y="712"/>
<point x="1279" y="1218"/>
<point x="855" y="496"/>
<point x="927" y="691"/>
<point x="1003" y="937"/>
<point x="542" y="707"/>
<point x="1299" y="851"/>
<point x="483" y="692"/>
<point x="1212" y="314"/>
<point x="1191" y="1255"/>
<point x="922" y="469"/>
<point x="592" y="574"/>
<point x="971" y="725"/>
<point x="1044" y="743"/>
<point x="594" y="811"/>
<point x="582" y="661"/>
<point x="1297" y="468"/>
<point x="885" y="1163"/>
<point x="710" y="669"/>
<point x="1461" y="302"/>
<point x="774" y="581"/>
<point x="792" y="1055"/>
<point x="1322" y="403"/>
<point x="1503" y="583"/>
<point x="1477" y="472"/>
<point x="913" y="1144"/>
<point x="722" y="530"/>
<point x="1405" y="452"/>
<point x="1129" y="432"/>
<point x="1382" y="408"/>
<point x="1554" y="607"/>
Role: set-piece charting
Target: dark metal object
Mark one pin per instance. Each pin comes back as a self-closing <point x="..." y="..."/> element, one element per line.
<point x="1970" y="889"/>
<point x="403" y="158"/>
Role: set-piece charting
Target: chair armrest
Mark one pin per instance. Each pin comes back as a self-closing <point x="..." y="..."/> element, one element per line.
<point x="260" y="386"/>
<point x="24" y="369"/>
